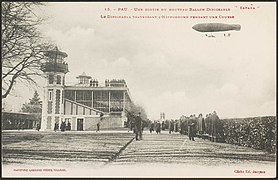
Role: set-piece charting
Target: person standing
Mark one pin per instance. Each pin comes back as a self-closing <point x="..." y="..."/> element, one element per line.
<point x="38" y="127"/>
<point x="158" y="128"/>
<point x="176" y="126"/>
<point x="56" y="126"/>
<point x="101" y="117"/>
<point x="22" y="126"/>
<point x="200" y="124"/>
<point x="217" y="129"/>
<point x="182" y="124"/>
<point x="191" y="128"/>
<point x="19" y="126"/>
<point x="69" y="126"/>
<point x="171" y="126"/>
<point x="151" y="127"/>
<point x="163" y="126"/>
<point x="191" y="131"/>
<point x="98" y="127"/>
<point x="63" y="126"/>
<point x="138" y="127"/>
<point x="131" y="122"/>
<point x="206" y="124"/>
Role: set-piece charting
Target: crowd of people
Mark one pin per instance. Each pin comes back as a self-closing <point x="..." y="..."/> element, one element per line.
<point x="191" y="125"/>
<point x="258" y="133"/>
<point x="209" y="126"/>
<point x="63" y="127"/>
<point x="156" y="126"/>
<point x="20" y="126"/>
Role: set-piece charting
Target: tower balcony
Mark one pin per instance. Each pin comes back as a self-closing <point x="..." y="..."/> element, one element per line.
<point x="54" y="67"/>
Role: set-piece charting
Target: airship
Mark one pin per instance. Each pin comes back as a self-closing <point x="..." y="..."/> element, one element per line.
<point x="216" y="27"/>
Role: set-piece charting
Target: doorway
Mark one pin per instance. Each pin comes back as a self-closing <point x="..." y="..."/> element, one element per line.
<point x="79" y="124"/>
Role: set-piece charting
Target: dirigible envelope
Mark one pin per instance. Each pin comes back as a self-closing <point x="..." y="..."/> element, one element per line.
<point x="216" y="27"/>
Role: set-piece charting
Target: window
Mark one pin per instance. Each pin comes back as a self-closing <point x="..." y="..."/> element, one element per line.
<point x="82" y="80"/>
<point x="100" y="100"/>
<point x="50" y="94"/>
<point x="57" y="106"/>
<point x="50" y="78"/>
<point x="116" y="101"/>
<point x="84" y="97"/>
<point x="60" y="60"/>
<point x="58" y="79"/>
<point x="62" y="97"/>
<point x="69" y="94"/>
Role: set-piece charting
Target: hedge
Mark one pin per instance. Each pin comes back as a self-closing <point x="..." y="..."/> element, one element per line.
<point x="254" y="132"/>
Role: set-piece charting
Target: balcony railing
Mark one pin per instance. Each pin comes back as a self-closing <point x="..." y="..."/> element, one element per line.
<point x="55" y="67"/>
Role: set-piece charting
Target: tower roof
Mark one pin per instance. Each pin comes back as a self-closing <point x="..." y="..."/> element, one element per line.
<point x="55" y="51"/>
<point x="84" y="76"/>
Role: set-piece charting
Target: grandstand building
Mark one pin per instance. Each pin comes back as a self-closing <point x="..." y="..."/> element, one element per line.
<point x="84" y="104"/>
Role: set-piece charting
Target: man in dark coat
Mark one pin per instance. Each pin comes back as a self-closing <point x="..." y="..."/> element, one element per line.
<point x="171" y="126"/>
<point x="69" y="126"/>
<point x="191" y="132"/>
<point x="158" y="128"/>
<point x="56" y="126"/>
<point x="151" y="127"/>
<point x="217" y="127"/>
<point x="163" y="125"/>
<point x="191" y="128"/>
<point x="63" y="126"/>
<point x="201" y="124"/>
<point x="138" y="127"/>
<point x="98" y="127"/>
<point x="38" y="127"/>
<point x="214" y="121"/>
<point x="131" y="120"/>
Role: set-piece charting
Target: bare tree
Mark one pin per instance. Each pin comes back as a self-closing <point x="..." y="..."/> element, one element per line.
<point x="136" y="108"/>
<point x="22" y="45"/>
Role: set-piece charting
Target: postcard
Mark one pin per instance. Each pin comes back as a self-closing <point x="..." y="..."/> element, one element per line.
<point x="139" y="89"/>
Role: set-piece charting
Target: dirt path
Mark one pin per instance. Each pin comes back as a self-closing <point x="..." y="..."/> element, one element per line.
<point x="176" y="148"/>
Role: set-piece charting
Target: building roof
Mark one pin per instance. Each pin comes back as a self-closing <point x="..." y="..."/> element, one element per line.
<point x="84" y="75"/>
<point x="55" y="51"/>
<point x="20" y="116"/>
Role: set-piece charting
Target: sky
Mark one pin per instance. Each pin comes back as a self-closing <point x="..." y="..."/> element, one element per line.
<point x="168" y="66"/>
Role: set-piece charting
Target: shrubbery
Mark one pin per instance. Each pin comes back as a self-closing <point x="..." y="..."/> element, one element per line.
<point x="256" y="132"/>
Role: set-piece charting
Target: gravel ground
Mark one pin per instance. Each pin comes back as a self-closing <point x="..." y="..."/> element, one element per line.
<point x="67" y="148"/>
<point x="116" y="154"/>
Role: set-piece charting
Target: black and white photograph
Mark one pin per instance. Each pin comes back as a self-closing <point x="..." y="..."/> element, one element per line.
<point x="138" y="89"/>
